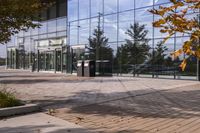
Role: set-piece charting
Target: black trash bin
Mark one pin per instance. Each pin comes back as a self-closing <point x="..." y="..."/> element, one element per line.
<point x="89" y="68"/>
<point x="80" y="68"/>
<point x="104" y="68"/>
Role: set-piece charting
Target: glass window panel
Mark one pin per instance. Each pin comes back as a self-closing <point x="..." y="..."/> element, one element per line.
<point x="84" y="31"/>
<point x="73" y="30"/>
<point x="52" y="26"/>
<point x="110" y="6"/>
<point x="72" y="10"/>
<point x="143" y="3"/>
<point x="52" y="35"/>
<point x="21" y="34"/>
<point x="2" y="50"/>
<point x="61" y="34"/>
<point x="27" y="33"/>
<point x="61" y="24"/>
<point x="94" y="24"/>
<point x="110" y="27"/>
<point x="84" y="9"/>
<point x="161" y="1"/>
<point x="96" y="7"/>
<point x="43" y="28"/>
<point x="43" y="36"/>
<point x="126" y="5"/>
<point x="35" y="31"/>
<point x="125" y="20"/>
<point x="27" y="44"/>
<point x="33" y="41"/>
<point x="144" y="17"/>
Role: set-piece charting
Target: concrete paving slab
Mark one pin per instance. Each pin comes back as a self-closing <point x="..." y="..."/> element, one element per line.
<point x="24" y="109"/>
<point x="39" y="123"/>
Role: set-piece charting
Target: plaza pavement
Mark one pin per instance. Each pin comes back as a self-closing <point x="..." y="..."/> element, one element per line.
<point x="111" y="104"/>
<point x="38" y="123"/>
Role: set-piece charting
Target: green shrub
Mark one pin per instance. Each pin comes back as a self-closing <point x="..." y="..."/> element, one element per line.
<point x="7" y="99"/>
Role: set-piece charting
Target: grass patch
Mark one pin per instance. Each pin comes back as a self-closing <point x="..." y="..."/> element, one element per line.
<point x="8" y="99"/>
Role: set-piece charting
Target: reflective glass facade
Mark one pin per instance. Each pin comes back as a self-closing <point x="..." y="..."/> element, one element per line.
<point x="61" y="40"/>
<point x="115" y="18"/>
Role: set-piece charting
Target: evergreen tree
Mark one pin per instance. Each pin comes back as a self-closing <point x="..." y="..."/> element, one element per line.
<point x="98" y="46"/>
<point x="169" y="62"/>
<point x="159" y="54"/>
<point x="136" y="49"/>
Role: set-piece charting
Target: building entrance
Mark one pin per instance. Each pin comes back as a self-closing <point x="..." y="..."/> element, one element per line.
<point x="49" y="60"/>
<point x="53" y="59"/>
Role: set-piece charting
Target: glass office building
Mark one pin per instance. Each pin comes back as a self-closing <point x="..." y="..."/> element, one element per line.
<point x="44" y="48"/>
<point x="64" y="38"/>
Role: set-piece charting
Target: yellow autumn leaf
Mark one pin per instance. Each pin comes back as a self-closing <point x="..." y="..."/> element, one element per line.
<point x="174" y="20"/>
<point x="197" y="53"/>
<point x="183" y="65"/>
<point x="187" y="47"/>
<point x="177" y="53"/>
<point x="188" y="51"/>
<point x="159" y="22"/>
<point x="163" y="31"/>
<point x="194" y="37"/>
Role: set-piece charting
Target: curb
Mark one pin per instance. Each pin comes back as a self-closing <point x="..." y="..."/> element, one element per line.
<point x="19" y="110"/>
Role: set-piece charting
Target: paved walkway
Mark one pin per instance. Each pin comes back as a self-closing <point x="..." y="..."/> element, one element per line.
<point x="38" y="123"/>
<point x="113" y="104"/>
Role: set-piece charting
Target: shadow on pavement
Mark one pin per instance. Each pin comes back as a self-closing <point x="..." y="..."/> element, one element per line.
<point x="140" y="103"/>
<point x="49" y="80"/>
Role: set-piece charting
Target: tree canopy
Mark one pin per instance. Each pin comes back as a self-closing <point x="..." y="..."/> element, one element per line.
<point x="174" y="19"/>
<point x="17" y="15"/>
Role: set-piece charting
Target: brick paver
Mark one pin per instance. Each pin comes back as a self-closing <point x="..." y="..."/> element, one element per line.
<point x="141" y="113"/>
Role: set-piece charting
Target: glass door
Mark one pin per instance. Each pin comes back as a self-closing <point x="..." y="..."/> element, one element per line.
<point x="42" y="61"/>
<point x="50" y="63"/>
